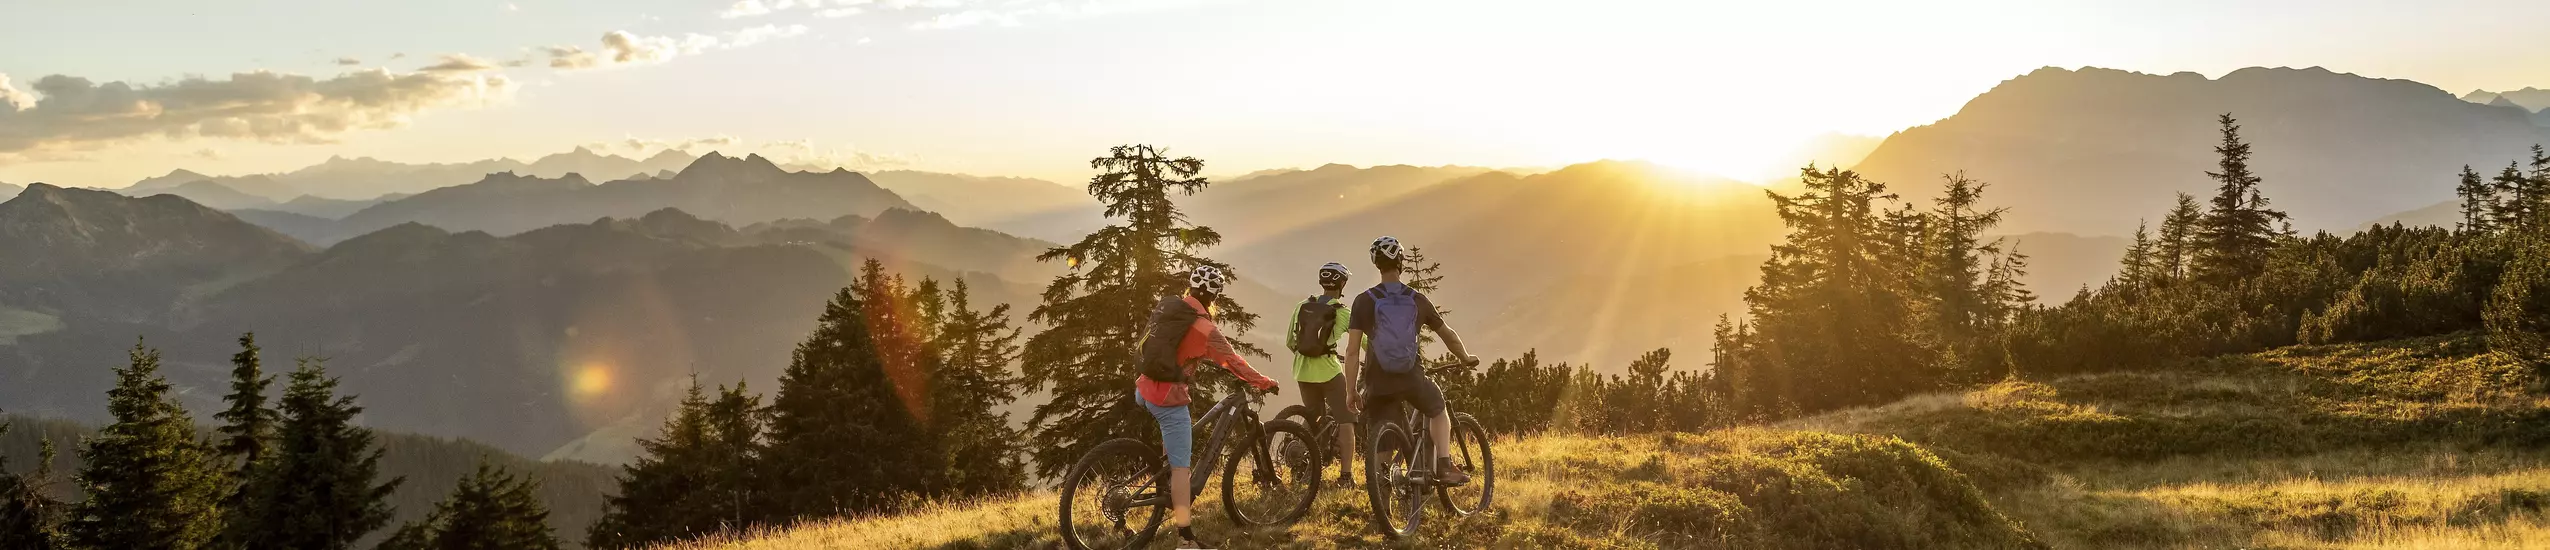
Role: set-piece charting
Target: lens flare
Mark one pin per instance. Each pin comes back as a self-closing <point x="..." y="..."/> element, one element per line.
<point x="589" y="381"/>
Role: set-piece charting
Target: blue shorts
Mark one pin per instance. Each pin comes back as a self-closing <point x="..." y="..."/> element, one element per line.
<point x="1177" y="432"/>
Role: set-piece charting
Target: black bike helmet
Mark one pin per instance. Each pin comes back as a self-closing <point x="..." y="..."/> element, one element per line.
<point x="1334" y="274"/>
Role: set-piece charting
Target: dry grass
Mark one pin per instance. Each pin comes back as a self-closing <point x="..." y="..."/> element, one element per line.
<point x="2426" y="443"/>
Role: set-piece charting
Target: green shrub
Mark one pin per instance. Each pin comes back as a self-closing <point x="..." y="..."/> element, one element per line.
<point x="2518" y="315"/>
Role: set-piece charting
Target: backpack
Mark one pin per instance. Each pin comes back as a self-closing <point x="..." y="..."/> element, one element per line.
<point x="1394" y="324"/>
<point x="1158" y="357"/>
<point x="1313" y="326"/>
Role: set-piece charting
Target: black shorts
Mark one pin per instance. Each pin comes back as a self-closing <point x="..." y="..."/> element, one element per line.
<point x="1417" y="391"/>
<point x="1327" y="398"/>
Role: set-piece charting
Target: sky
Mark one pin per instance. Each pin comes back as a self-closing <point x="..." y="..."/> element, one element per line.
<point x="102" y="94"/>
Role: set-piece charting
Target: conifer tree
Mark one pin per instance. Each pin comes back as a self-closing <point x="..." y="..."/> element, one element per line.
<point x="1095" y="313"/>
<point x="1953" y="267"/>
<point x="2478" y="202"/>
<point x="973" y="379"/>
<point x="248" y="425"/>
<point x="319" y="489"/>
<point x="663" y="494"/>
<point x="2522" y="201"/>
<point x="2177" y="245"/>
<point x="2233" y="238"/>
<point x="1830" y="315"/>
<point x="490" y="510"/>
<point x="2140" y="266"/>
<point x="150" y="482"/>
<point x="27" y="515"/>
<point x="842" y="440"/>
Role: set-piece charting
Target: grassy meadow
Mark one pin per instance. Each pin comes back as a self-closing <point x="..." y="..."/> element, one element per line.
<point x="2421" y="443"/>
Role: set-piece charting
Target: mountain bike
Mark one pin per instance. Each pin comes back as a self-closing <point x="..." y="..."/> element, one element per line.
<point x="1117" y="494"/>
<point x="1399" y="465"/>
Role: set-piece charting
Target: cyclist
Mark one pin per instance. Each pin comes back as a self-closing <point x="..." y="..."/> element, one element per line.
<point x="1381" y="341"/>
<point x="1324" y="381"/>
<point x="1198" y="342"/>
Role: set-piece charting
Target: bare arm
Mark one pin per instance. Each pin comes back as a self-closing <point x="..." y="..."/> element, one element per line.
<point x="1452" y="340"/>
<point x="1352" y="356"/>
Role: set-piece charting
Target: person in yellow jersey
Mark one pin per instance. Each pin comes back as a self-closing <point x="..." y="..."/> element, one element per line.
<point x="1325" y="383"/>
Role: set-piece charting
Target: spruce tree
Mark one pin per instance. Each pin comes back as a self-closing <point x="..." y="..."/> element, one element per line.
<point x="1831" y="313"/>
<point x="150" y="482"/>
<point x="972" y="380"/>
<point x="841" y="439"/>
<point x="248" y="424"/>
<point x="2478" y="202"/>
<point x="2521" y="200"/>
<point x="247" y="429"/>
<point x="1952" y="267"/>
<point x="2140" y="266"/>
<point x="691" y="481"/>
<point x="320" y="488"/>
<point x="2177" y="245"/>
<point x="2233" y="238"/>
<point x="1095" y="312"/>
<point x="490" y="510"/>
<point x="27" y="515"/>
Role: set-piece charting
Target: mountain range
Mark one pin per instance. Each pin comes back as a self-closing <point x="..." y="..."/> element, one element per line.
<point x="2094" y="151"/>
<point x="368" y="178"/>
<point x="458" y="333"/>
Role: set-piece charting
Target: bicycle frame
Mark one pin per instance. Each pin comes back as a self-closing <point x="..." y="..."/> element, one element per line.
<point x="1234" y="405"/>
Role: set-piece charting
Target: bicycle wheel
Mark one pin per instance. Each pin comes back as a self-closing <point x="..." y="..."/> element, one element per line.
<point x="1398" y="499"/>
<point x="1103" y="497"/>
<point x="1470" y="450"/>
<point x="1271" y="477"/>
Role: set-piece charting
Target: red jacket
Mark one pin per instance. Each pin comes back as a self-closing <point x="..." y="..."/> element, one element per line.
<point x="1203" y="341"/>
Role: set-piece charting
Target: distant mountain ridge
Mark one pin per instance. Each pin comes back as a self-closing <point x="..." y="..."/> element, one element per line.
<point x="367" y="178"/>
<point x="731" y="190"/>
<point x="454" y="333"/>
<point x="2529" y="99"/>
<point x="2091" y="151"/>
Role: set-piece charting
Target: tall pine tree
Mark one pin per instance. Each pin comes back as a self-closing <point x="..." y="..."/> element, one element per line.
<point x="1830" y="315"/>
<point x="150" y="482"/>
<point x="2233" y="238"/>
<point x="2522" y="199"/>
<point x="842" y="440"/>
<point x="248" y="424"/>
<point x="320" y="488"/>
<point x="2141" y="264"/>
<point x="691" y="481"/>
<point x="972" y="380"/>
<point x="490" y="510"/>
<point x="1955" y="261"/>
<point x="2176" y="248"/>
<point x="2478" y="202"/>
<point x="1095" y="312"/>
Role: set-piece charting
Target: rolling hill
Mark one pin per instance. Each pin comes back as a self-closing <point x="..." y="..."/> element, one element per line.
<point x="2090" y="151"/>
<point x="456" y="334"/>
<point x="2349" y="446"/>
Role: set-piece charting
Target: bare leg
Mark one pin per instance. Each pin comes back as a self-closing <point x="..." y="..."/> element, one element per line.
<point x="1441" y="426"/>
<point x="1346" y="447"/>
<point x="1179" y="495"/>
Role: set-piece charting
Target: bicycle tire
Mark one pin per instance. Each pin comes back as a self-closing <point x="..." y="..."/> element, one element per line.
<point x="1470" y="448"/>
<point x="1117" y="452"/>
<point x="1286" y="484"/>
<point x="1398" y="507"/>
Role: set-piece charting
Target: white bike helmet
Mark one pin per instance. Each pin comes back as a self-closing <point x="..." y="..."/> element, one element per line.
<point x="1386" y="250"/>
<point x="1207" y="278"/>
<point x="1333" y="274"/>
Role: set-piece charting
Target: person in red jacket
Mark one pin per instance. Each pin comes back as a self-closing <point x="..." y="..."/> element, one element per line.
<point x="1167" y="401"/>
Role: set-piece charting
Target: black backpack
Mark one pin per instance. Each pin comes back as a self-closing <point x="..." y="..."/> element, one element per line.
<point x="1170" y="321"/>
<point x="1313" y="325"/>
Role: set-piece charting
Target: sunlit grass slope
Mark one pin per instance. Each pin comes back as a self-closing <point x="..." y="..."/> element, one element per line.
<point x="2427" y="443"/>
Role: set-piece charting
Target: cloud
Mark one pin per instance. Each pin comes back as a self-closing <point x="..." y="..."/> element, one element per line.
<point x="348" y="61"/>
<point x="954" y="14"/>
<point x="745" y="8"/>
<point x="643" y="145"/>
<point x="398" y="55"/>
<point x="459" y="63"/>
<point x="804" y="151"/>
<point x="840" y="12"/>
<point x="626" y="48"/>
<point x="209" y="153"/>
<point x="73" y="113"/>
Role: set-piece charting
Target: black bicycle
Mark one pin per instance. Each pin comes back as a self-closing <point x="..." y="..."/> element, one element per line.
<point x="1400" y="461"/>
<point x="1118" y="493"/>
